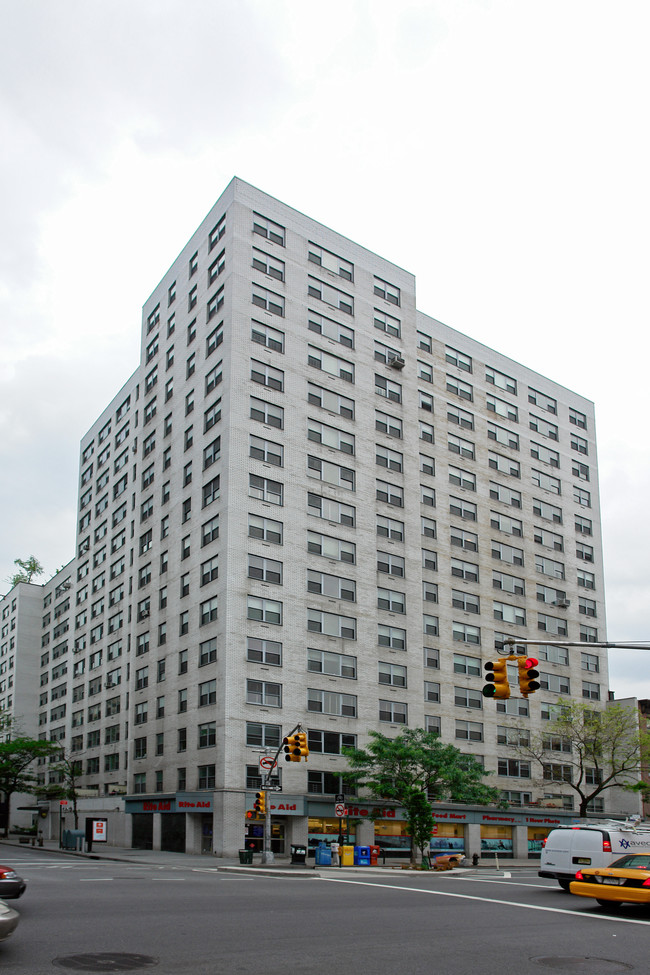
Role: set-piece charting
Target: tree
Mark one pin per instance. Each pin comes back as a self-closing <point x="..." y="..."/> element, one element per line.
<point x="16" y="758"/>
<point x="29" y="568"/>
<point x="590" y="751"/>
<point x="415" y="769"/>
<point x="68" y="769"/>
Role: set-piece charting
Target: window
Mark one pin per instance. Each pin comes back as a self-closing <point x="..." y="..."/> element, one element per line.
<point x="588" y="634"/>
<point x="208" y="611"/>
<point x="335" y="331"/>
<point x="390" y="563"/>
<point x="463" y="633"/>
<point x="334" y="664"/>
<point x="388" y="324"/>
<point x="270" y="301"/>
<point x="460" y="417"/>
<point x="551" y="624"/>
<point x="460" y="388"/>
<point x="392" y="601"/>
<point x="469" y="731"/>
<point x="464" y="539"/>
<point x="330" y="436"/>
<point x="457" y="445"/>
<point x="545" y="454"/>
<point x="581" y="497"/>
<point x="390" y="493"/>
<point x="548" y="538"/>
<point x="581" y="471"/>
<point x="394" y="712"/>
<point x="267" y="375"/>
<point x="265" y="529"/>
<point x="587" y="606"/>
<point x="332" y="586"/>
<point x="464" y="570"/>
<point x="462" y="508"/>
<point x="331" y="364"/>
<point x="389" y="292"/>
<point x="461" y="478"/>
<point x="264" y="693"/>
<point x="211" y="453"/>
<point x="390" y="425"/>
<point x="269" y="229"/>
<point x="266" y="735"/>
<point x="207" y="734"/>
<point x="515" y="768"/>
<point x="267" y="451"/>
<point x="206" y="777"/>
<point x="331" y="702"/>
<point x="207" y="693"/>
<point x="500" y="380"/>
<point x="502" y="408"/>
<point x="331" y="547"/>
<point x="504" y="465"/>
<point x="393" y="460"/>
<point x="545" y="427"/>
<point x="466" y="601"/>
<point x="390" y="528"/>
<point x="214" y="340"/>
<point x="268" y="264"/>
<point x="577" y="418"/>
<point x="266" y="570"/>
<point x="388" y="388"/>
<point x="584" y="552"/>
<point x="546" y="481"/>
<point x="265" y="489"/>
<point x="469" y="666"/>
<point x="331" y="401"/>
<point x="210" y="531"/>
<point x="508" y="583"/>
<point x="332" y="624"/>
<point x="427" y="432"/>
<point x="583" y="525"/>
<point x="268" y="336"/>
<point x="542" y="401"/>
<point x="329" y="510"/>
<point x="264" y="610"/>
<point x="267" y="413"/>
<point x="503" y="436"/>
<point x="508" y="613"/>
<point x="262" y="651"/>
<point x="213" y="378"/>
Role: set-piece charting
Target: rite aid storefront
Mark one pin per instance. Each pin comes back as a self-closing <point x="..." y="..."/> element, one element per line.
<point x="510" y="834"/>
<point x="179" y="823"/>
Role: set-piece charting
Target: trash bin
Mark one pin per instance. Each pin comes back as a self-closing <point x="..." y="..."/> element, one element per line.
<point x="298" y="854"/>
<point x="246" y="857"/>
<point x="323" y="855"/>
<point x="347" y="856"/>
<point x="362" y="856"/>
<point x="374" y="855"/>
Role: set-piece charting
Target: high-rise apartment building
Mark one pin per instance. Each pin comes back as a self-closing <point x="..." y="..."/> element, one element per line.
<point x="313" y="503"/>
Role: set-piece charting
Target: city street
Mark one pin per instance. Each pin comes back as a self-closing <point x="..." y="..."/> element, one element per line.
<point x="102" y="915"/>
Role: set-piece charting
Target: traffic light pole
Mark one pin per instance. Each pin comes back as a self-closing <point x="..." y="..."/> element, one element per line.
<point x="267" y="853"/>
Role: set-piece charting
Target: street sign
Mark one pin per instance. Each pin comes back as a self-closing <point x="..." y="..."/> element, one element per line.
<point x="339" y="797"/>
<point x="340" y="809"/>
<point x="266" y="763"/>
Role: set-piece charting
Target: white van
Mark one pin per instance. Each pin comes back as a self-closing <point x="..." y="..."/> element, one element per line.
<point x="567" y="848"/>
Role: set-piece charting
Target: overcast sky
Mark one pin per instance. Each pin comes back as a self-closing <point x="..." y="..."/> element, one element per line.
<point x="497" y="149"/>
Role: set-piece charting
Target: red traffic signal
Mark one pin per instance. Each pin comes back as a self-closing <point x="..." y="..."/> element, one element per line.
<point x="528" y="675"/>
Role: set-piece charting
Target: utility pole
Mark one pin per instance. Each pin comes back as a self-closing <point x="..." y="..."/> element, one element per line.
<point x="295" y="748"/>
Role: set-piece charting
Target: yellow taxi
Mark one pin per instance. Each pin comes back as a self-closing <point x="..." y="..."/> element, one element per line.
<point x="624" y="881"/>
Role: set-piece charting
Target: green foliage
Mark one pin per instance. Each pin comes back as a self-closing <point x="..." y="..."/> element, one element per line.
<point x="16" y="758"/>
<point x="415" y="769"/>
<point x="604" y="748"/>
<point x="69" y="769"/>
<point x="28" y="568"/>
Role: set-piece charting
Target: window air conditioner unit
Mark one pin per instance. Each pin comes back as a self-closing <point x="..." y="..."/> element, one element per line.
<point x="395" y="361"/>
<point x="563" y="603"/>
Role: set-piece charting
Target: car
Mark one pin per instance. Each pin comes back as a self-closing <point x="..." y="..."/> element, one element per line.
<point x="8" y="920"/>
<point x="625" y="881"/>
<point x="11" y="885"/>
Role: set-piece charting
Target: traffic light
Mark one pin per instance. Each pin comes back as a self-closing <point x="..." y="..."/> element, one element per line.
<point x="260" y="803"/>
<point x="528" y="683"/>
<point x="295" y="747"/>
<point x="304" y="749"/>
<point x="497" y="679"/>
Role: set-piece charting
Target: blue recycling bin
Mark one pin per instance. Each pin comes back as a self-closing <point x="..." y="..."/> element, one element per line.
<point x="323" y="855"/>
<point x="362" y="856"/>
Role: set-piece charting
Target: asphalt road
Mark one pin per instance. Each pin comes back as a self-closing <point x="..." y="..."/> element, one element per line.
<point x="101" y="916"/>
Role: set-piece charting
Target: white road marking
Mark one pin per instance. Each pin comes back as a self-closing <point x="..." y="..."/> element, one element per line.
<point x="489" y="900"/>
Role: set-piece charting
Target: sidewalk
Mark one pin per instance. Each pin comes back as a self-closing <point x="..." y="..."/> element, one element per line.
<point x="10" y="847"/>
